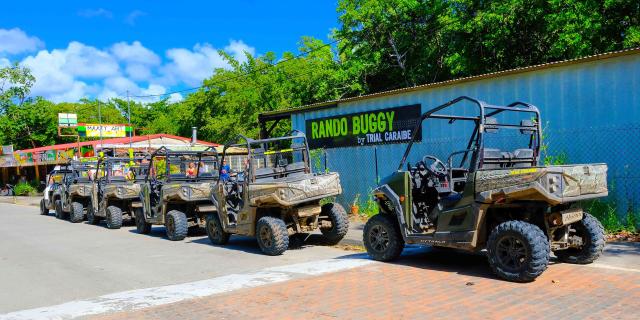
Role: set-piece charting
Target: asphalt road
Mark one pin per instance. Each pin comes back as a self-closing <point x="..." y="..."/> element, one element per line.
<point x="46" y="261"/>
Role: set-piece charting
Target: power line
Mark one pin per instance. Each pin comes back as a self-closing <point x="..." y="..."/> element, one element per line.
<point x="244" y="74"/>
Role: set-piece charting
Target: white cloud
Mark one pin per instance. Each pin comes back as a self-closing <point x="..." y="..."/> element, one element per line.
<point x="134" y="52"/>
<point x="87" y="61"/>
<point x="138" y="59"/>
<point x="238" y="48"/>
<point x="58" y="72"/>
<point x="91" y="13"/>
<point x="4" y="62"/>
<point x="80" y="70"/>
<point x="133" y="16"/>
<point x="15" y="41"/>
<point x="192" y="66"/>
<point x="175" y="97"/>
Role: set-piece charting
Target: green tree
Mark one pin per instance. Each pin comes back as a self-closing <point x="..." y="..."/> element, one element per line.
<point x="231" y="99"/>
<point x="407" y="42"/>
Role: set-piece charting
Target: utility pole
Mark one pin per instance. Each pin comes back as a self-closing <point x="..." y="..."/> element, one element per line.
<point x="100" y="122"/>
<point x="129" y="119"/>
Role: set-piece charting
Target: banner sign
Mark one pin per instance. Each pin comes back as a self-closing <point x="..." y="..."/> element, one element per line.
<point x="67" y="119"/>
<point x="392" y="125"/>
<point x="8" y="161"/>
<point x="7" y="150"/>
<point x="108" y="130"/>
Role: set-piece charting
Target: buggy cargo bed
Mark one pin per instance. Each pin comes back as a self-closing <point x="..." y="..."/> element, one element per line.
<point x="554" y="184"/>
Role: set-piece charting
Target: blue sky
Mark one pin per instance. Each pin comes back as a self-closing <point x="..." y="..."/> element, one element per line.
<point x="100" y="49"/>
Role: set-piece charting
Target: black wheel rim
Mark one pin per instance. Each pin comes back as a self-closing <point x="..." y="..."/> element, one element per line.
<point x="379" y="238"/>
<point x="213" y="230"/>
<point x="512" y="253"/>
<point x="265" y="236"/>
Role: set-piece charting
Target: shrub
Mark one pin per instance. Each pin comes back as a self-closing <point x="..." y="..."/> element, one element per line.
<point x="24" y="189"/>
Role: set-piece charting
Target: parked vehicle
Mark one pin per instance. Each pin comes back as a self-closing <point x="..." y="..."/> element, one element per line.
<point x="503" y="201"/>
<point x="52" y="190"/>
<point x="276" y="196"/>
<point x="7" y="190"/>
<point x="75" y="191"/>
<point x="177" y="191"/>
<point x="117" y="192"/>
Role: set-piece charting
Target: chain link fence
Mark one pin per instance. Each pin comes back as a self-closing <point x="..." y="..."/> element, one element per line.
<point x="361" y="168"/>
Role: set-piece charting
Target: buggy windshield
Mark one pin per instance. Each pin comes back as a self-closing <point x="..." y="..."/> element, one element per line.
<point x="84" y="171"/>
<point x="125" y="169"/>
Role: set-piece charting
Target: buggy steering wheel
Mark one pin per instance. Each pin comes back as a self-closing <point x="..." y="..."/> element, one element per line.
<point x="437" y="167"/>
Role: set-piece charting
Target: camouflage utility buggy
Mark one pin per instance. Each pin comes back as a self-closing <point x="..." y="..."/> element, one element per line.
<point x="177" y="191"/>
<point x="499" y="200"/>
<point x="75" y="191"/>
<point x="117" y="192"/>
<point x="275" y="195"/>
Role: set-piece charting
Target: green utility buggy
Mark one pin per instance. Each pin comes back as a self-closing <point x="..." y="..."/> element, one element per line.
<point x="177" y="191"/>
<point x="499" y="200"/>
<point x="117" y="192"/>
<point x="75" y="191"/>
<point x="275" y="195"/>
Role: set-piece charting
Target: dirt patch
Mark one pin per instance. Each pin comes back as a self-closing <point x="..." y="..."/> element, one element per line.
<point x="350" y="247"/>
<point x="623" y="236"/>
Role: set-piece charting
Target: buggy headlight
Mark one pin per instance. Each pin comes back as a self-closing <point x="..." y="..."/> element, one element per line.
<point x="120" y="191"/>
<point x="186" y="191"/>
<point x="554" y="183"/>
<point x="283" y="194"/>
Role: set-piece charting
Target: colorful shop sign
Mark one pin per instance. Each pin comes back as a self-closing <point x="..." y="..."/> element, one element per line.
<point x="392" y="125"/>
<point x="104" y="130"/>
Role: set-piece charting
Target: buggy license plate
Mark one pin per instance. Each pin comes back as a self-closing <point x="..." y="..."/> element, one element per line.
<point x="571" y="216"/>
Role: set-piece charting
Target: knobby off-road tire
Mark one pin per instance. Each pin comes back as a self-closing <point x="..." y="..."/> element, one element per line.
<point x="59" y="212"/>
<point x="592" y="234"/>
<point x="142" y="226"/>
<point x="272" y="235"/>
<point x="77" y="212"/>
<point x="339" y="223"/>
<point x="518" y="251"/>
<point x="382" y="237"/>
<point x="214" y="230"/>
<point x="176" y="225"/>
<point x="114" y="217"/>
<point x="91" y="216"/>
<point x="43" y="208"/>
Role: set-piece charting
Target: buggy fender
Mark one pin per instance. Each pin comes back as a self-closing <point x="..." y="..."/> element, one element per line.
<point x="395" y="201"/>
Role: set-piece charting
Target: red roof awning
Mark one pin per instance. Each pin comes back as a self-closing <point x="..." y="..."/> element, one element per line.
<point x="123" y="141"/>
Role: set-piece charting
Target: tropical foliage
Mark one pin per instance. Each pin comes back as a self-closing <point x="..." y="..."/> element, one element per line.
<point x="378" y="45"/>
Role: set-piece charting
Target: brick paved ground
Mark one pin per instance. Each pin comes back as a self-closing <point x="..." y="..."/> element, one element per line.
<point x="427" y="285"/>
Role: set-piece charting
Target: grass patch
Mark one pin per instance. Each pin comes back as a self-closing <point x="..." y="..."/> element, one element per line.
<point x="606" y="211"/>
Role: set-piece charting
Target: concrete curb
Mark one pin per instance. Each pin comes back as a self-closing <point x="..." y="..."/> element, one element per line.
<point x="23" y="201"/>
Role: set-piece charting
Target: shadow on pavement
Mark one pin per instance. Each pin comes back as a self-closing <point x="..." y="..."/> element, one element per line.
<point x="238" y="243"/>
<point x="622" y="248"/>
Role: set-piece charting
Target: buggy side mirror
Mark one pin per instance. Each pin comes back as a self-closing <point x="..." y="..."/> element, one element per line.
<point x="527" y="127"/>
<point x="490" y="125"/>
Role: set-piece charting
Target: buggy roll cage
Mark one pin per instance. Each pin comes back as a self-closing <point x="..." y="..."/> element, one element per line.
<point x="164" y="152"/>
<point x="108" y="170"/>
<point x="237" y="142"/>
<point x="74" y="167"/>
<point x="476" y="141"/>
